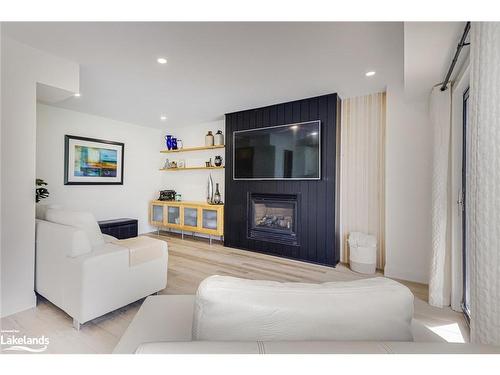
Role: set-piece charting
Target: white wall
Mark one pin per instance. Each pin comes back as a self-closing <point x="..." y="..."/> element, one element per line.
<point x="408" y="186"/>
<point x="142" y="178"/>
<point x="193" y="184"/>
<point x="22" y="68"/>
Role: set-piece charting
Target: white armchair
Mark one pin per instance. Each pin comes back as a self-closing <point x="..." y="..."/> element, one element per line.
<point x="87" y="274"/>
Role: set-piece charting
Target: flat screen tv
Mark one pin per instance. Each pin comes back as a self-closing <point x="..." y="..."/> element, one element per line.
<point x="285" y="152"/>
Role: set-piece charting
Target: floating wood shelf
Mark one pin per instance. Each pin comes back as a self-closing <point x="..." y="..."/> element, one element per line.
<point x="188" y="168"/>
<point x="185" y="149"/>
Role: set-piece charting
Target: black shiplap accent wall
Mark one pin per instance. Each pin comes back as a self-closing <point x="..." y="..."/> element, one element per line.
<point x="319" y="242"/>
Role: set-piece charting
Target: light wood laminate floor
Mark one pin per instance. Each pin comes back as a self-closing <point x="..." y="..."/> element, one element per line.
<point x="190" y="261"/>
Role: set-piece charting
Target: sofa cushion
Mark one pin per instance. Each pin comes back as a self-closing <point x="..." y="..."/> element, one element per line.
<point x="312" y="347"/>
<point x="233" y="309"/>
<point x="78" y="219"/>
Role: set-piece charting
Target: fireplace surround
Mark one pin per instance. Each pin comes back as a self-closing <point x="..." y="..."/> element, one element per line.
<point x="311" y="234"/>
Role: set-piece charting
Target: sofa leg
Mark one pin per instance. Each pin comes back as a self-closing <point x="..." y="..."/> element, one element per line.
<point x="76" y="324"/>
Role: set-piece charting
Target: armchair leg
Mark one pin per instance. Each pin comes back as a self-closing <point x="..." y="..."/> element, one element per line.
<point x="76" y="324"/>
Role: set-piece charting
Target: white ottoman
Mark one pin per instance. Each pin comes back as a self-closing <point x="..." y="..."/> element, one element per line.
<point x="362" y="252"/>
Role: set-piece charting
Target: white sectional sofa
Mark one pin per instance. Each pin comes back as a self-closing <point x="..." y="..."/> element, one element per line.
<point x="88" y="274"/>
<point x="236" y="316"/>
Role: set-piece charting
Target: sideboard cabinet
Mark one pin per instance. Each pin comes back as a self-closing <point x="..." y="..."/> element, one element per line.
<point x="197" y="217"/>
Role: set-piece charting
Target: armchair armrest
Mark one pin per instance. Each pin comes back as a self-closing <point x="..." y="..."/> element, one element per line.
<point x="59" y="240"/>
<point x="56" y="246"/>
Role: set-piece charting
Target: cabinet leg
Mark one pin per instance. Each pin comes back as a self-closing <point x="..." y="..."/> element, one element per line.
<point x="182" y="234"/>
<point x="76" y="324"/>
<point x="210" y="239"/>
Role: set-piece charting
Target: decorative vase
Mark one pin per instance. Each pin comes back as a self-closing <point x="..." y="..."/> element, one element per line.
<point x="217" y="197"/>
<point x="179" y="144"/>
<point x="174" y="143"/>
<point x="168" y="141"/>
<point x="210" y="190"/>
<point x="209" y="139"/>
<point x="218" y="161"/>
<point x="219" y="138"/>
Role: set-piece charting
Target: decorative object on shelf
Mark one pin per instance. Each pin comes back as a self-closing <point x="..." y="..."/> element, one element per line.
<point x="208" y="163"/>
<point x="178" y="197"/>
<point x="167" y="195"/>
<point x="218" y="161"/>
<point x="179" y="144"/>
<point x="181" y="164"/>
<point x="90" y="161"/>
<point x="166" y="164"/>
<point x="219" y="138"/>
<point x="209" y="139"/>
<point x="174" y="143"/>
<point x="217" y="196"/>
<point x="170" y="164"/>
<point x="168" y="141"/>
<point x="40" y="192"/>
<point x="210" y="189"/>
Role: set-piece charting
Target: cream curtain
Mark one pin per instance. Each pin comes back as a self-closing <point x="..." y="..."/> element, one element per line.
<point x="363" y="170"/>
<point x="483" y="183"/>
<point x="440" y="270"/>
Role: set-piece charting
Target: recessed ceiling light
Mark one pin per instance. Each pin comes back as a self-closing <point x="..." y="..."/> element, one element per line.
<point x="163" y="118"/>
<point x="77" y="95"/>
<point x="162" y="60"/>
<point x="370" y="74"/>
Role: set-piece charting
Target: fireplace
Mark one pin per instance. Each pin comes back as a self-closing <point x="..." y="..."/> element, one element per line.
<point x="273" y="218"/>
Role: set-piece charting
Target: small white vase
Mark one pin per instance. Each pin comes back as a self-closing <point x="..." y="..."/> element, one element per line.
<point x="210" y="189"/>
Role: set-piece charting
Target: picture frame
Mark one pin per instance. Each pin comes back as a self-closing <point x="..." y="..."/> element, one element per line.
<point x="92" y="161"/>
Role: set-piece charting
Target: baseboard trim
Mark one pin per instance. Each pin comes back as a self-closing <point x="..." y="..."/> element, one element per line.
<point x="15" y="310"/>
<point x="396" y="273"/>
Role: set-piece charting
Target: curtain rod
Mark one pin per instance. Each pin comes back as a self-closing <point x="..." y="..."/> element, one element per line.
<point x="460" y="45"/>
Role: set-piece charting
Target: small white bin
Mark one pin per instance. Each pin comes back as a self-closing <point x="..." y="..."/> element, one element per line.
<point x="362" y="252"/>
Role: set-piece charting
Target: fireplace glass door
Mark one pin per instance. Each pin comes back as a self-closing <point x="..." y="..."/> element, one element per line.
<point x="273" y="218"/>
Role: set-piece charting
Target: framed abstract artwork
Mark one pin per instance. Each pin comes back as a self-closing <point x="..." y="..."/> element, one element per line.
<point x="90" y="161"/>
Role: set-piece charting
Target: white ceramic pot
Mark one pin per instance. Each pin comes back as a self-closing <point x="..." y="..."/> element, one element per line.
<point x="219" y="138"/>
<point x="209" y="139"/>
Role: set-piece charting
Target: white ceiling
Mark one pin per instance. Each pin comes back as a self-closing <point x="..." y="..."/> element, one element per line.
<point x="429" y="48"/>
<point x="215" y="68"/>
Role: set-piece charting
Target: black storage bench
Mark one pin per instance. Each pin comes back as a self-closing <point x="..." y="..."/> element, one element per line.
<point x="119" y="228"/>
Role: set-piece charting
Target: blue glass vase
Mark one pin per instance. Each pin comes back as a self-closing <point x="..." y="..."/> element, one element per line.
<point x="168" y="141"/>
<point x="174" y="143"/>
